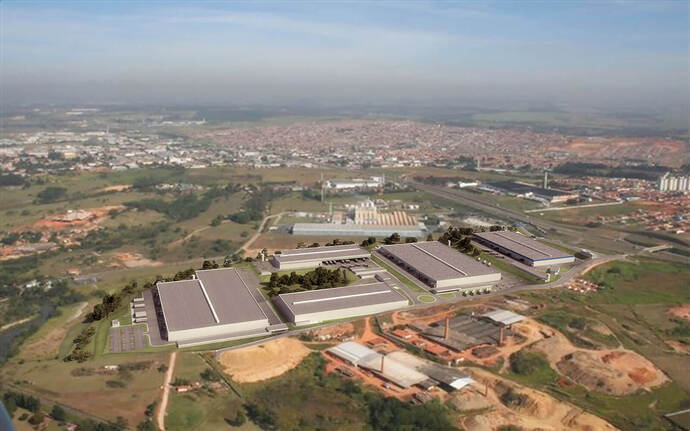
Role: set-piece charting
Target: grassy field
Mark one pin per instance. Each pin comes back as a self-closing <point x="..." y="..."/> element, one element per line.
<point x="631" y="311"/>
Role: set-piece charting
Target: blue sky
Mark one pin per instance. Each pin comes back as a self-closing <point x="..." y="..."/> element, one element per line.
<point x="554" y="51"/>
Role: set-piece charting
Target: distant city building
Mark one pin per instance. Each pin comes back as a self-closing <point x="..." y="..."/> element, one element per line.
<point x="525" y="190"/>
<point x="356" y="183"/>
<point x="669" y="183"/>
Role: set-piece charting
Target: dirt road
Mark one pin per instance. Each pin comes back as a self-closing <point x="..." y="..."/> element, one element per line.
<point x="160" y="417"/>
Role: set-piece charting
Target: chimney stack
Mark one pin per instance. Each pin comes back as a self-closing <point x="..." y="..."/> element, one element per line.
<point x="501" y="335"/>
<point x="447" y="329"/>
<point x="382" y="361"/>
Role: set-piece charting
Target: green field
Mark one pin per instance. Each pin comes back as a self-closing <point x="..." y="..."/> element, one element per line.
<point x="631" y="311"/>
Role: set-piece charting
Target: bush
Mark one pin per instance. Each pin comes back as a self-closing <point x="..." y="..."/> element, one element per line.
<point x="58" y="413"/>
<point x="525" y="363"/>
<point x="51" y="194"/>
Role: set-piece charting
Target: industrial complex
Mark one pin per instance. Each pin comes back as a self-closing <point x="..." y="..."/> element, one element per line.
<point x="312" y="257"/>
<point x="400" y="368"/>
<point x="365" y="219"/>
<point x="440" y="267"/>
<point x="524" y="249"/>
<point x="215" y="305"/>
<point x="309" y="307"/>
<point x="529" y="191"/>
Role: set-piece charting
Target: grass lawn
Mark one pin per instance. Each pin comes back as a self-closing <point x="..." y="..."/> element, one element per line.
<point x="447" y="295"/>
<point x="644" y="282"/>
<point x="404" y="280"/>
<point x="426" y="298"/>
<point x="504" y="266"/>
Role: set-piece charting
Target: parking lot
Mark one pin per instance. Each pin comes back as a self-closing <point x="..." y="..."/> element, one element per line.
<point x="127" y="338"/>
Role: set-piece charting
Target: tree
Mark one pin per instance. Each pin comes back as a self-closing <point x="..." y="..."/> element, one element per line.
<point x="410" y="239"/>
<point x="50" y="194"/>
<point x="58" y="413"/>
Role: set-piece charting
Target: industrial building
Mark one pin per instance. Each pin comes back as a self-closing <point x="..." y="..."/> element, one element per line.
<point x="464" y="332"/>
<point x="355" y="183"/>
<point x="215" y="305"/>
<point x="521" y="248"/>
<point x="400" y="368"/>
<point x="314" y="306"/>
<point x="355" y="229"/>
<point x="441" y="267"/>
<point x="524" y="190"/>
<point x="312" y="257"/>
<point x="447" y="378"/>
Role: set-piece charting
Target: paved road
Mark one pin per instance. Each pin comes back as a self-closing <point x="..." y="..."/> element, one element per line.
<point x="470" y="199"/>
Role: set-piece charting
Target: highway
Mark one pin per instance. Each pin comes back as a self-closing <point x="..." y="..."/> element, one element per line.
<point x="475" y="201"/>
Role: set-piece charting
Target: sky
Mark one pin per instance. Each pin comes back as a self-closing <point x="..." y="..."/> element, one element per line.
<point x="630" y="53"/>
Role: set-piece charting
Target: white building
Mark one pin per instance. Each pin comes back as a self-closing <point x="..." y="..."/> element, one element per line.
<point x="669" y="183"/>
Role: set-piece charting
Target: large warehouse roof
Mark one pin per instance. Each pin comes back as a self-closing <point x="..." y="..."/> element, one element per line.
<point x="185" y="305"/>
<point x="357" y="229"/>
<point x="215" y="297"/>
<point x="312" y="253"/>
<point x="522" y="245"/>
<point x="339" y="298"/>
<point x="438" y="261"/>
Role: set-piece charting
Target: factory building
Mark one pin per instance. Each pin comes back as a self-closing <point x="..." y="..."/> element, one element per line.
<point x="356" y="229"/>
<point x="400" y="368"/>
<point x="311" y="257"/>
<point x="524" y="190"/>
<point x="441" y="267"/>
<point x="521" y="248"/>
<point x="355" y="184"/>
<point x="314" y="306"/>
<point x="465" y="332"/>
<point x="215" y="305"/>
<point x="386" y="368"/>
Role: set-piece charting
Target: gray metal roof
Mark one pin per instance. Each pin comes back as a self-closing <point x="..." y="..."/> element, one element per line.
<point x="230" y="295"/>
<point x="322" y="253"/>
<point x="314" y="301"/>
<point x="438" y="261"/>
<point x="184" y="305"/>
<point x="216" y="297"/>
<point x="504" y="317"/>
<point x="522" y="245"/>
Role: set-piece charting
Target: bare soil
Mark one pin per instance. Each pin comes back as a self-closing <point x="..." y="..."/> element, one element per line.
<point x="263" y="361"/>
<point x="538" y="411"/>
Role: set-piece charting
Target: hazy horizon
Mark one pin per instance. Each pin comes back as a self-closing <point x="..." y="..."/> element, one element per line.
<point x="614" y="54"/>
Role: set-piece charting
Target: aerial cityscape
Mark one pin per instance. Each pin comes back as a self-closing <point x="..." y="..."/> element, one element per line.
<point x="344" y="216"/>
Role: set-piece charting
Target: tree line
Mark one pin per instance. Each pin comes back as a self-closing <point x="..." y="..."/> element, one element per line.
<point x="319" y="278"/>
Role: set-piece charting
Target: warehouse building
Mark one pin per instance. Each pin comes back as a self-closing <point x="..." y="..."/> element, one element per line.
<point x="521" y="248"/>
<point x="386" y="368"/>
<point x="524" y="190"/>
<point x="358" y="229"/>
<point x="441" y="267"/>
<point x="215" y="305"/>
<point x="314" y="306"/>
<point x="301" y="258"/>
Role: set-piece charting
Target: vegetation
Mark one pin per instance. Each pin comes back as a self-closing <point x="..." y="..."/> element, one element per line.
<point x="51" y="194"/>
<point x="525" y="363"/>
<point x="319" y="278"/>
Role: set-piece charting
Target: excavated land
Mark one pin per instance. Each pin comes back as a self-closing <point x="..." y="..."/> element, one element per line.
<point x="613" y="371"/>
<point x="527" y="408"/>
<point x="680" y="311"/>
<point x="263" y="361"/>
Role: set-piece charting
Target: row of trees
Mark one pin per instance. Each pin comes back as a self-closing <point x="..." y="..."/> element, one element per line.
<point x="319" y="278"/>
